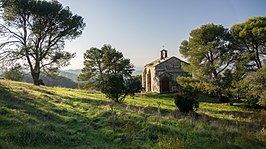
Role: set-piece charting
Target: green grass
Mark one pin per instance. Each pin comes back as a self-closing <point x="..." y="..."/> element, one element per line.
<point x="51" y="117"/>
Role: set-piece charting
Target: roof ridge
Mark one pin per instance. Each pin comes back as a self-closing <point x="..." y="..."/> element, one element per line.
<point x="159" y="61"/>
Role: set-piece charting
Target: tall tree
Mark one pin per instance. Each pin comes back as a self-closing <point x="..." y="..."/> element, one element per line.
<point x="209" y="54"/>
<point x="250" y="41"/>
<point x="35" y="31"/>
<point x="110" y="72"/>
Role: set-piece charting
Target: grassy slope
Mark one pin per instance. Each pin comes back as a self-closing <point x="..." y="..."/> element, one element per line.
<point x="45" y="117"/>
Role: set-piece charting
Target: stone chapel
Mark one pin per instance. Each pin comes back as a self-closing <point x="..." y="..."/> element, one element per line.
<point x="160" y="75"/>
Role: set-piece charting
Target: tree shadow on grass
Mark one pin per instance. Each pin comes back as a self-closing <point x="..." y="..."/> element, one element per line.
<point x="241" y="114"/>
<point x="157" y="95"/>
<point x="146" y="109"/>
<point x="24" y="103"/>
<point x="221" y="122"/>
<point x="93" y="100"/>
<point x="32" y="122"/>
<point x="123" y="105"/>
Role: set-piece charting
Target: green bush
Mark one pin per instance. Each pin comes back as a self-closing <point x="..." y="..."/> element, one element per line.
<point x="253" y="88"/>
<point x="252" y="101"/>
<point x="186" y="100"/>
<point x="15" y="73"/>
<point x="117" y="87"/>
<point x="86" y="85"/>
<point x="225" y="99"/>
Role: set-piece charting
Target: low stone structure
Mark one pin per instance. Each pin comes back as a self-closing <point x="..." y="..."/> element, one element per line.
<point x="160" y="75"/>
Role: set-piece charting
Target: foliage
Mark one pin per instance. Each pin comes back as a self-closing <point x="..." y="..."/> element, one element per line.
<point x="227" y="84"/>
<point x="15" y="73"/>
<point x="35" y="32"/>
<point x="186" y="100"/>
<point x="187" y="82"/>
<point x="252" y="101"/>
<point x="86" y="85"/>
<point x="133" y="85"/>
<point x="117" y="88"/>
<point x="249" y="42"/>
<point x="110" y="72"/>
<point x="113" y="87"/>
<point x="209" y="53"/>
<point x="254" y="85"/>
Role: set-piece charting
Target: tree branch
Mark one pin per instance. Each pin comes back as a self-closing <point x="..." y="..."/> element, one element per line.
<point x="17" y="36"/>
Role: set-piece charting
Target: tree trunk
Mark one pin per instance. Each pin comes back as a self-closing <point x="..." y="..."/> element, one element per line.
<point x="36" y="74"/>
<point x="259" y="65"/>
<point x="116" y="99"/>
<point x="35" y="78"/>
<point x="238" y="94"/>
<point x="219" y="92"/>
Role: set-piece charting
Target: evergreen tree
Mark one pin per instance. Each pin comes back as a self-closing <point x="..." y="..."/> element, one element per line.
<point x="35" y="32"/>
<point x="108" y="71"/>
<point x="209" y="53"/>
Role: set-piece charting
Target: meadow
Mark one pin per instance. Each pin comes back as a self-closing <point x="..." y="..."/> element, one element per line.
<point x="52" y="117"/>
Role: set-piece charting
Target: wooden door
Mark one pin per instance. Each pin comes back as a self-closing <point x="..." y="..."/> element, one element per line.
<point x="165" y="84"/>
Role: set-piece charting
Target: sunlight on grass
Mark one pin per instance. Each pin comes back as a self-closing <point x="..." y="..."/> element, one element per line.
<point x="53" y="117"/>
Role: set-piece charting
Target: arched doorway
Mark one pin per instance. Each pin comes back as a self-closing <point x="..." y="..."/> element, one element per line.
<point x="149" y="81"/>
<point x="165" y="84"/>
<point x="144" y="76"/>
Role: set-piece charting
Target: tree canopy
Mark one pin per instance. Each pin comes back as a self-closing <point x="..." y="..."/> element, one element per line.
<point x="228" y="62"/>
<point x="35" y="32"/>
<point x="250" y="42"/>
<point x="104" y="61"/>
<point x="108" y="71"/>
<point x="209" y="54"/>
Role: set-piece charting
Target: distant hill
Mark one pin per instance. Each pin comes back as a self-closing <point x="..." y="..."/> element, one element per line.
<point x="74" y="71"/>
<point x="60" y="81"/>
<point x="71" y="74"/>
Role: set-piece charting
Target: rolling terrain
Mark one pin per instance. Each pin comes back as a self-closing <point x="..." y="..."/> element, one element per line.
<point x="52" y="117"/>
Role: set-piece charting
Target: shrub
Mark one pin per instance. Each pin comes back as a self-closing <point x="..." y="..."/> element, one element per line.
<point x="15" y="73"/>
<point x="224" y="99"/>
<point x="117" y="87"/>
<point x="252" y="101"/>
<point x="86" y="85"/>
<point x="253" y="86"/>
<point x="186" y="100"/>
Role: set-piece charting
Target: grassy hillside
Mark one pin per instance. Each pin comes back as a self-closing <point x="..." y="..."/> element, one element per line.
<point x="50" y="117"/>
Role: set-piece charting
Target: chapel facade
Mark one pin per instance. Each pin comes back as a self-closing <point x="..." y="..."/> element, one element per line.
<point x="160" y="75"/>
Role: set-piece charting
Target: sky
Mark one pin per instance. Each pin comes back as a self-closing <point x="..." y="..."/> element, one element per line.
<point x="140" y="29"/>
